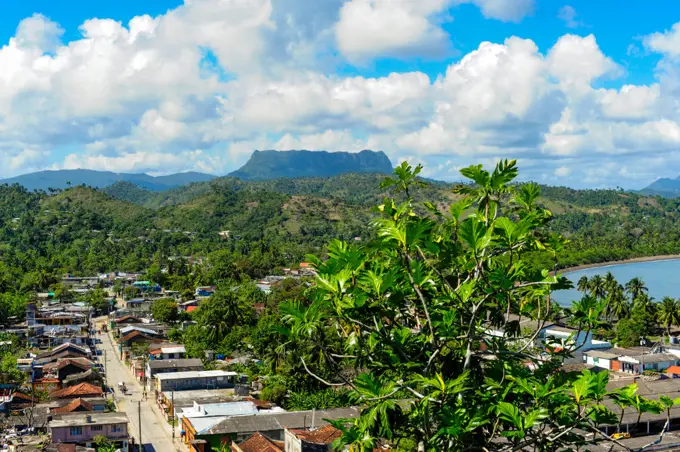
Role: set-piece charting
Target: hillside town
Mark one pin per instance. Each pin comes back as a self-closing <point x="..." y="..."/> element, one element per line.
<point x="92" y="380"/>
<point x="114" y="379"/>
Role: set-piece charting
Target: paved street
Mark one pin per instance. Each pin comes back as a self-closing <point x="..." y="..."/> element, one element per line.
<point x="156" y="431"/>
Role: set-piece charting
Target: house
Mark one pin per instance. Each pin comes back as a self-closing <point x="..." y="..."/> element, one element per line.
<point x="172" y="402"/>
<point x="78" y="391"/>
<point x="74" y="406"/>
<point x="673" y="372"/>
<point x="240" y="428"/>
<point x="258" y="443"/>
<point x="127" y="320"/>
<point x="67" y="350"/>
<point x="168" y="352"/>
<point x="78" y="404"/>
<point x="633" y="360"/>
<point x="566" y="337"/>
<point x="135" y="337"/>
<point x="65" y="367"/>
<point x="130" y="328"/>
<point x="203" y="417"/>
<point x="205" y="379"/>
<point x="184" y="306"/>
<point x="13" y="401"/>
<point x="318" y="440"/>
<point x="81" y="429"/>
<point x="162" y="366"/>
<point x="204" y="291"/>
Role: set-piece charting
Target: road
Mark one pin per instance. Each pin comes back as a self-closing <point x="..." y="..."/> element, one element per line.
<point x="156" y="431"/>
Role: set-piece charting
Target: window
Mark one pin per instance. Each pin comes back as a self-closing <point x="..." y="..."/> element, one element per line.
<point x="76" y="431"/>
<point x="116" y="428"/>
<point x="97" y="428"/>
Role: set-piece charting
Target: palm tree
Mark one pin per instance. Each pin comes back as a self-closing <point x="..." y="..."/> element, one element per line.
<point x="617" y="303"/>
<point x="582" y="285"/>
<point x="635" y="287"/>
<point x="597" y="287"/>
<point x="668" y="313"/>
<point x="610" y="282"/>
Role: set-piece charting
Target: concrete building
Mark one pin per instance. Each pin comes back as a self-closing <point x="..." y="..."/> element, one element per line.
<point x="82" y="428"/>
<point x="206" y="379"/>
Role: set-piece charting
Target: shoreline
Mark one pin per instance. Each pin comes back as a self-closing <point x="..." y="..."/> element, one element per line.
<point x="633" y="260"/>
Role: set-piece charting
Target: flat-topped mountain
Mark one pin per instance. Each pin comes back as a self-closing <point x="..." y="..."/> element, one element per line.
<point x="43" y="180"/>
<point x="265" y="165"/>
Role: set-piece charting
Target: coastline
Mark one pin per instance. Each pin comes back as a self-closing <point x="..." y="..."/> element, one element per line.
<point x="633" y="260"/>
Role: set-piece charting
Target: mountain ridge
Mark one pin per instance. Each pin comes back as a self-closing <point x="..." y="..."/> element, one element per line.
<point x="60" y="179"/>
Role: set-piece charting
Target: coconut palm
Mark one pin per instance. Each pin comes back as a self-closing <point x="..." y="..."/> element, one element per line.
<point x="582" y="284"/>
<point x="636" y="287"/>
<point x="597" y="287"/>
<point x="610" y="282"/>
<point x="668" y="313"/>
<point x="617" y="303"/>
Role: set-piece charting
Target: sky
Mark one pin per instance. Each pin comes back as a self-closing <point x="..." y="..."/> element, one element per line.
<point x="581" y="93"/>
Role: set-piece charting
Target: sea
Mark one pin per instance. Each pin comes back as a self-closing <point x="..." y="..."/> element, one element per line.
<point x="662" y="278"/>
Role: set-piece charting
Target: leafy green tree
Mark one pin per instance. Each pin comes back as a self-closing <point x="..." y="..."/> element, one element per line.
<point x="413" y="310"/>
<point x="97" y="299"/>
<point x="165" y="310"/>
<point x="223" y="311"/>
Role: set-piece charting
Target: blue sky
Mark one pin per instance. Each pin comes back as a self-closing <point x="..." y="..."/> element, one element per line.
<point x="583" y="93"/>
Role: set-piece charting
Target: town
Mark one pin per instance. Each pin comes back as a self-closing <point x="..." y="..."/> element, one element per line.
<point x="114" y="379"/>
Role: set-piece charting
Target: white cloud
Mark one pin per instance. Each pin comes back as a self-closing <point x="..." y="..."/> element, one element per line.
<point x="667" y="42"/>
<point x="204" y="84"/>
<point x="369" y="28"/>
<point x="567" y="14"/>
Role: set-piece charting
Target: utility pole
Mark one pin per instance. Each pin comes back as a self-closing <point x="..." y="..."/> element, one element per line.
<point x="172" y="413"/>
<point x="139" y="417"/>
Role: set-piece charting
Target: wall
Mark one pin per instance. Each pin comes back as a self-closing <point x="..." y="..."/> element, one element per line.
<point x="599" y="362"/>
<point x="63" y="434"/>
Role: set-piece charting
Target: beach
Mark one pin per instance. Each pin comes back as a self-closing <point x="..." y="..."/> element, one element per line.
<point x="625" y="261"/>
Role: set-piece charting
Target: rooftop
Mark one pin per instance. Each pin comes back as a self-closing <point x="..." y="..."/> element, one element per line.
<point x="73" y="405"/>
<point x="96" y="418"/>
<point x="174" y="363"/>
<point x="601" y="354"/>
<point x="220" y="409"/>
<point x="195" y="374"/>
<point x="82" y="389"/>
<point x="259" y="443"/>
<point x="323" y="435"/>
<point x="279" y="421"/>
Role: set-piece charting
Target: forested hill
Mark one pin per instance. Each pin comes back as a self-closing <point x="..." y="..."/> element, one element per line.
<point x="275" y="223"/>
<point x="60" y="179"/>
<point x="264" y="165"/>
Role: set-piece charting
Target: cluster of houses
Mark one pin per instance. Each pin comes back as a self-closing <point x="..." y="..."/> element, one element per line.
<point x="214" y="408"/>
<point x="74" y="409"/>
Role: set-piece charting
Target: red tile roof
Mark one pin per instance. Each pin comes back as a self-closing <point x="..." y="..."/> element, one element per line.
<point x="134" y="334"/>
<point x="73" y="406"/>
<point x="258" y="443"/>
<point x="79" y="390"/>
<point x="324" y="435"/>
<point x="673" y="370"/>
<point x="192" y="308"/>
